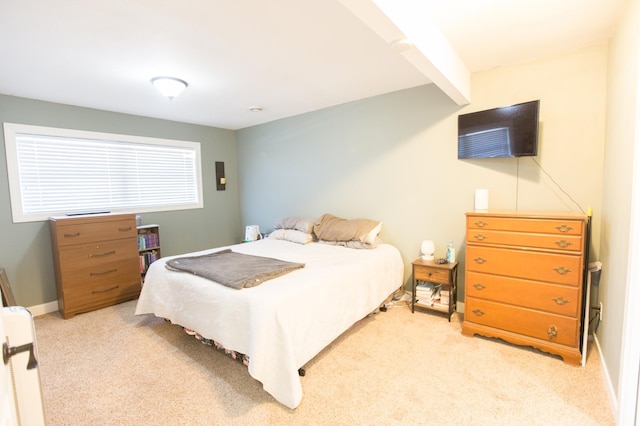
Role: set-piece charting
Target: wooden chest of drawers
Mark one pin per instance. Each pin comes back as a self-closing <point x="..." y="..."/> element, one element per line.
<point x="524" y="279"/>
<point x="95" y="260"/>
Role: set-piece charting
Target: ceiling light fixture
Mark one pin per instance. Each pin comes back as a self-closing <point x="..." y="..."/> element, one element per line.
<point x="255" y="108"/>
<point x="169" y="86"/>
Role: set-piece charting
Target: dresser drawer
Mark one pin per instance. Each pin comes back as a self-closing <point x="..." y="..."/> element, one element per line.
<point x="99" y="254"/>
<point x="101" y="276"/>
<point x="424" y="273"/>
<point x="69" y="233"/>
<point x="550" y="267"/>
<point x="543" y="226"/>
<point x="552" y="298"/>
<point x="528" y="322"/>
<point x="569" y="243"/>
<point x="101" y="293"/>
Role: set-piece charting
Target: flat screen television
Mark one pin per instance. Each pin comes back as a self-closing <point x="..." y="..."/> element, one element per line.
<point x="510" y="131"/>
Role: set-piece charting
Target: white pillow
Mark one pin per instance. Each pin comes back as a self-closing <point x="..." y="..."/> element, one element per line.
<point x="291" y="235"/>
<point x="370" y="238"/>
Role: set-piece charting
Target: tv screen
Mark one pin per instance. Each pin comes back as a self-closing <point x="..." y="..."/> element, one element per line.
<point x="510" y="131"/>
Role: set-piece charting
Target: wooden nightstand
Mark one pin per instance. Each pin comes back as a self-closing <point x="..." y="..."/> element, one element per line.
<point x="444" y="275"/>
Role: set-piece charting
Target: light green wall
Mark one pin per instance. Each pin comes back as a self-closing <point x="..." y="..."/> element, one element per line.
<point x="25" y="248"/>
<point x="622" y="136"/>
<point x="393" y="157"/>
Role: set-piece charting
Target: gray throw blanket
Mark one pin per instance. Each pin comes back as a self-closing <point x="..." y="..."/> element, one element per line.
<point x="235" y="270"/>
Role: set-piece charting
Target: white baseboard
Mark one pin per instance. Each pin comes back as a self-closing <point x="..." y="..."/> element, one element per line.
<point x="45" y="308"/>
<point x="613" y="400"/>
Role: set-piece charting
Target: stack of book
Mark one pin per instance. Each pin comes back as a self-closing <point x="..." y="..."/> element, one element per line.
<point x="427" y="293"/>
<point x="146" y="241"/>
<point x="147" y="259"/>
<point x="444" y="296"/>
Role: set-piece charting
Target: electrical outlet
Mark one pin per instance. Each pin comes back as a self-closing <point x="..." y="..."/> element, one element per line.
<point x="600" y="311"/>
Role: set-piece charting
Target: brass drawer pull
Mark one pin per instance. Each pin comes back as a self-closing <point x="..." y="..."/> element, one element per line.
<point x="562" y="270"/>
<point x="77" y="234"/>
<point x="480" y="224"/>
<point x="564" y="228"/>
<point x="560" y="300"/>
<point x="552" y="332"/>
<point x="124" y="229"/>
<point x="479" y="286"/>
<point x="91" y="274"/>
<point x="480" y="237"/>
<point x="479" y="260"/>
<point x="102" y="254"/>
<point x="105" y="290"/>
<point x="563" y="243"/>
<point x="478" y="312"/>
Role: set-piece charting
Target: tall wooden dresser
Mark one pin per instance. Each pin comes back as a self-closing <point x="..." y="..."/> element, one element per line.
<point x="95" y="260"/>
<point x="524" y="279"/>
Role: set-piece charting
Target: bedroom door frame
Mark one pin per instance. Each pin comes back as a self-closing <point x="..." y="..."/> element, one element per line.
<point x="629" y="388"/>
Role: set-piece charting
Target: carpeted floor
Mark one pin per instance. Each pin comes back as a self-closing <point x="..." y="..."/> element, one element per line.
<point x="111" y="367"/>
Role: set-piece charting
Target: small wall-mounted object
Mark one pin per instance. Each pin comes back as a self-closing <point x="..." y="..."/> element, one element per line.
<point x="221" y="181"/>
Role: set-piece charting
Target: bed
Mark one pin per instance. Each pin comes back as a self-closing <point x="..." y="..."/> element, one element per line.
<point x="284" y="322"/>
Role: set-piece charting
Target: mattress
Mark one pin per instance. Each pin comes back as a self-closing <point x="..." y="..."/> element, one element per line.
<point x="284" y="322"/>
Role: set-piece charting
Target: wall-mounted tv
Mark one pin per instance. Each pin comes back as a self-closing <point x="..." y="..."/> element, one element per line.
<point x="510" y="131"/>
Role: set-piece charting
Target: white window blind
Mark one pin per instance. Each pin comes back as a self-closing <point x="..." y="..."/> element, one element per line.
<point x="485" y="143"/>
<point x="58" y="171"/>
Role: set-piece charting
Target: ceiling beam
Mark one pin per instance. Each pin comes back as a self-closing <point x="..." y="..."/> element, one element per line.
<point x="430" y="51"/>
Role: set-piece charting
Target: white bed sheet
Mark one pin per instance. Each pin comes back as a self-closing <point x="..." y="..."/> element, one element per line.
<point x="282" y="323"/>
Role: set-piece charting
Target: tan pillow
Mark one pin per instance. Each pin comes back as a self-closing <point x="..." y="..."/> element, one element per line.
<point x="298" y="223"/>
<point x="332" y="228"/>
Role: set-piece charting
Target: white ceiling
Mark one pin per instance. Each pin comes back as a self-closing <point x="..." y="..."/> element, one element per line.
<point x="288" y="56"/>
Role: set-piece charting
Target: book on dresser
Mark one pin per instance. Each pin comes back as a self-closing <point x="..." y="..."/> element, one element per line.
<point x="525" y="279"/>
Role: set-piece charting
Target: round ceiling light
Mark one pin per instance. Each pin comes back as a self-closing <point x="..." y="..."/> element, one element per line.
<point x="169" y="86"/>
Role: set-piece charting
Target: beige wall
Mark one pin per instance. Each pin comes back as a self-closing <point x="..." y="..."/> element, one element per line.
<point x="572" y="92"/>
<point x="394" y="157"/>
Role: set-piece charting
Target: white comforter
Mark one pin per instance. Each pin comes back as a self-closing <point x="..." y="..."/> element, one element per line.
<point x="282" y="323"/>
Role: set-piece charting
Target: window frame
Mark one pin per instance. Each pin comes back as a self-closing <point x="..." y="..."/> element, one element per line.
<point x="13" y="130"/>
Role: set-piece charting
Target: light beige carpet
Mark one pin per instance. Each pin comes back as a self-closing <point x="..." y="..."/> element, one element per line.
<point x="111" y="367"/>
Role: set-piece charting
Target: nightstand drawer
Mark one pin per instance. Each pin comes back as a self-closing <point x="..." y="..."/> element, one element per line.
<point x="425" y="273"/>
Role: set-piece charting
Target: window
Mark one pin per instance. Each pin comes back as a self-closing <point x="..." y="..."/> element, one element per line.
<point x="60" y="171"/>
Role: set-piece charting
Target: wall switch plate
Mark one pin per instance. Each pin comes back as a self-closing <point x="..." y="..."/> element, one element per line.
<point x="600" y="311"/>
